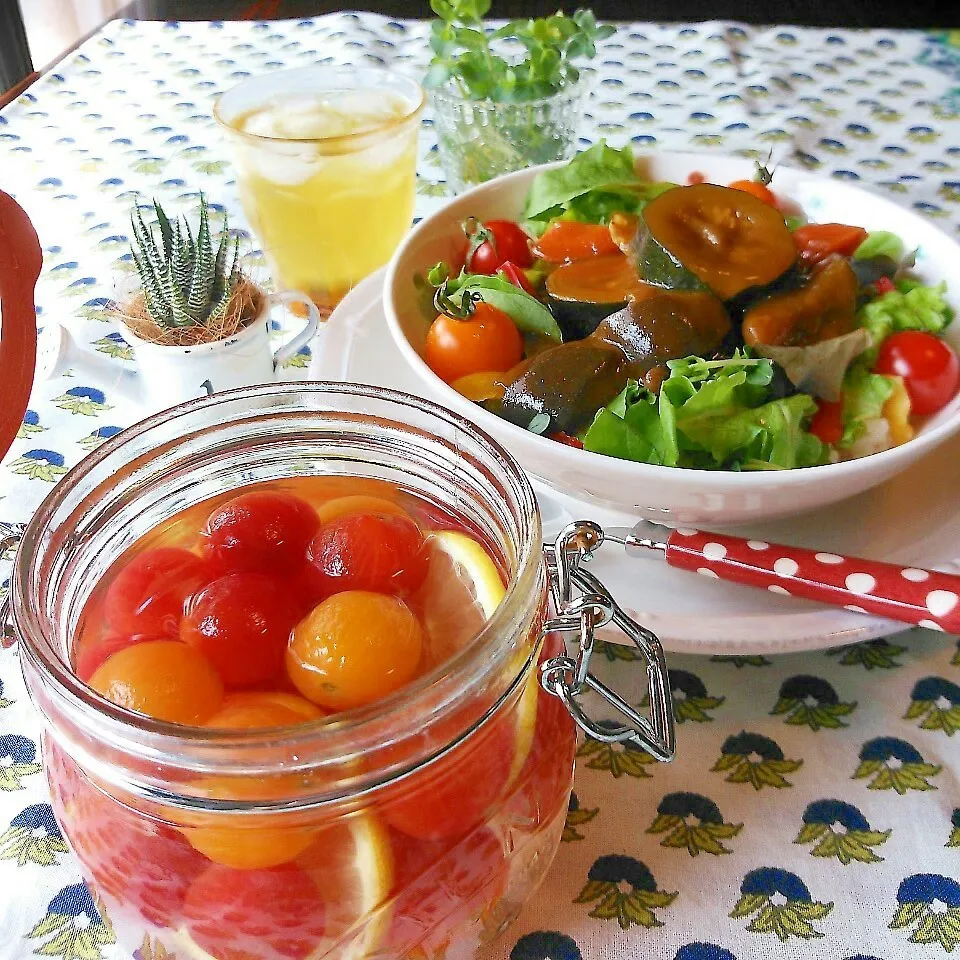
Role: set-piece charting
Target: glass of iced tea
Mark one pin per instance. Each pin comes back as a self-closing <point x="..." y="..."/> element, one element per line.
<point x="326" y="160"/>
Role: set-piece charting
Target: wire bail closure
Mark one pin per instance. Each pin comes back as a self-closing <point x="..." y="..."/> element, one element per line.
<point x="594" y="607"/>
<point x="563" y="677"/>
<point x="10" y="535"/>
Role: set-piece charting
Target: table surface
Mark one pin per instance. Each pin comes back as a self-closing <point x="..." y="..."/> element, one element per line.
<point x="813" y="810"/>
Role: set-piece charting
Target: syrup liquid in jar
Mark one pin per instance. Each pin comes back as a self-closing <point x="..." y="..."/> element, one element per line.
<point x="286" y="605"/>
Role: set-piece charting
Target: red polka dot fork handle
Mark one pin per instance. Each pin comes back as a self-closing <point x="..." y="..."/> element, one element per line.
<point x="908" y="594"/>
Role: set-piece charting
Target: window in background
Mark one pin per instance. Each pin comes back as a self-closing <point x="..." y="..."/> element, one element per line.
<point x="53" y="26"/>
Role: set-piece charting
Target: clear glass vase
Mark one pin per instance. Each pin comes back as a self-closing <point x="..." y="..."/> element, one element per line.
<point x="482" y="139"/>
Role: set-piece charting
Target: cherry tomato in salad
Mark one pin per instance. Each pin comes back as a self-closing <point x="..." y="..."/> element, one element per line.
<point x="148" y="594"/>
<point x="929" y="368"/>
<point x="816" y="241"/>
<point x="760" y="190"/>
<point x="369" y="551"/>
<point x="567" y="440"/>
<point x="261" y="531"/>
<point x="486" y="340"/>
<point x="827" y="422"/>
<point x="513" y="274"/>
<point x="503" y="241"/>
<point x="884" y="285"/>
<point x="566" y="240"/>
<point x="241" y="623"/>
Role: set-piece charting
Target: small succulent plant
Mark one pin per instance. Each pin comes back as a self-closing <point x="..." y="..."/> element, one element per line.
<point x="185" y="284"/>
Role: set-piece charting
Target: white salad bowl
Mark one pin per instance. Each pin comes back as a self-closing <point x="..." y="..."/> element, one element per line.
<point x="675" y="495"/>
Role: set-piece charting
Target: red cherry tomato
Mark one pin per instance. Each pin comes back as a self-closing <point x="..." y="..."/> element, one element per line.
<point x="448" y="798"/>
<point x="132" y="858"/>
<point x="513" y="274"/>
<point x="567" y="440"/>
<point x="367" y="551"/>
<point x="487" y="340"/>
<point x="928" y="366"/>
<point x="147" y="596"/>
<point x="827" y="422"/>
<point x="255" y="913"/>
<point x="507" y="241"/>
<point x="260" y="531"/>
<point x="241" y="624"/>
<point x="442" y="888"/>
<point x="884" y="285"/>
<point x="92" y="654"/>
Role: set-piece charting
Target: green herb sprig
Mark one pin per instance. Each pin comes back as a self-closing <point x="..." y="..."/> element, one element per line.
<point x="471" y="57"/>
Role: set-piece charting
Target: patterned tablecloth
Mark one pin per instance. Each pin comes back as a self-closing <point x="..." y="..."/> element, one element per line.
<point x="814" y="807"/>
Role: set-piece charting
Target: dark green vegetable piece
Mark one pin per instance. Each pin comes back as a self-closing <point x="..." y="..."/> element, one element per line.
<point x="714" y="237"/>
<point x="568" y="384"/>
<point x="582" y="293"/>
<point x="665" y="327"/>
<point x="823" y="308"/>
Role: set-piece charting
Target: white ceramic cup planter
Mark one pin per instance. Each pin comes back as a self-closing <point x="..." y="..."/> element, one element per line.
<point x="168" y="375"/>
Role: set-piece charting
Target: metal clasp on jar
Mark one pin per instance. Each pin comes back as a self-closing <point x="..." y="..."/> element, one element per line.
<point x="10" y="534"/>
<point x="582" y="615"/>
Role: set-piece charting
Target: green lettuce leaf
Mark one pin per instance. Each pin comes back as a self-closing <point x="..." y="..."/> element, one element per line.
<point x="635" y="426"/>
<point x="864" y="394"/>
<point x="880" y="243"/>
<point x="819" y="368"/>
<point x="527" y="312"/>
<point x="912" y="306"/>
<point x="594" y="185"/>
<point x="711" y="414"/>
<point x="771" y="435"/>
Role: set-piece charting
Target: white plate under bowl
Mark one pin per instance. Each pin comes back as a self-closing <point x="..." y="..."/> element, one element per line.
<point x="911" y="519"/>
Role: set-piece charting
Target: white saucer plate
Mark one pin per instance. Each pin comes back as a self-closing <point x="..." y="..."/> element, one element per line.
<point x="912" y="519"/>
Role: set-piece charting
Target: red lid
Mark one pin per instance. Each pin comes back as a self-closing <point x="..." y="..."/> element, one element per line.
<point x="20" y="261"/>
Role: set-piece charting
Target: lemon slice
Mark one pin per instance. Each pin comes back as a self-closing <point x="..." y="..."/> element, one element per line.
<point x="351" y="864"/>
<point x="462" y="591"/>
<point x="526" y="718"/>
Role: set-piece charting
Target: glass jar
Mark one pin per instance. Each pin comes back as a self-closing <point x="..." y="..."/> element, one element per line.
<point x="415" y="826"/>
<point x="424" y="820"/>
<point x="481" y="139"/>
